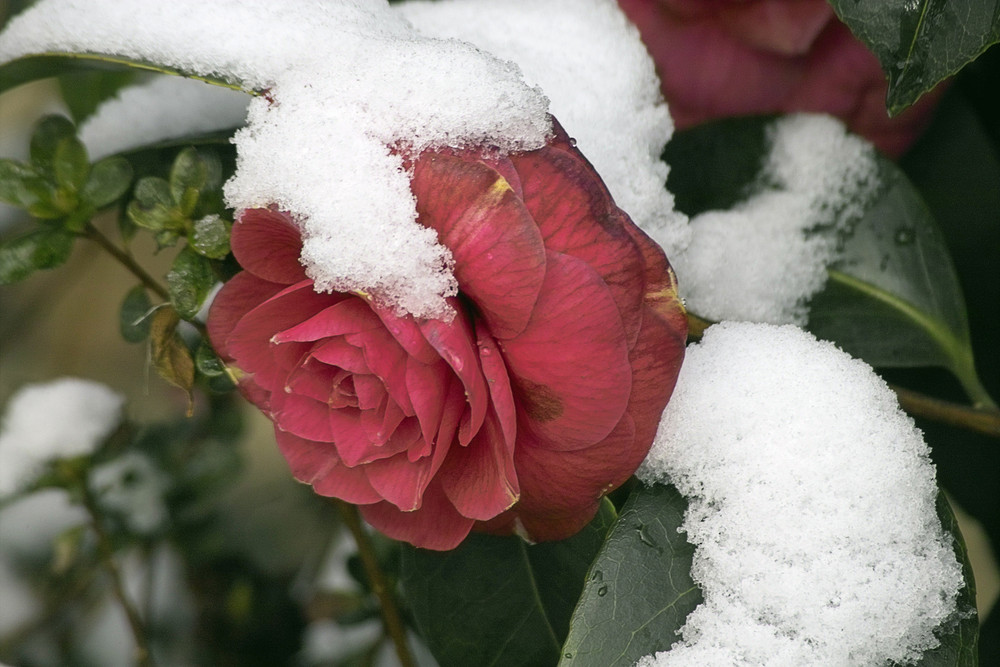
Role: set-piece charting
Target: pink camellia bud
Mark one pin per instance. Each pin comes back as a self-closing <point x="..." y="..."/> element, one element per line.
<point x="719" y="58"/>
<point x="539" y="397"/>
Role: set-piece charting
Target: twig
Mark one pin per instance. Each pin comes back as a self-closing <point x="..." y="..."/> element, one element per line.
<point x="91" y="232"/>
<point x="143" y="656"/>
<point x="390" y="614"/>
<point x="982" y="421"/>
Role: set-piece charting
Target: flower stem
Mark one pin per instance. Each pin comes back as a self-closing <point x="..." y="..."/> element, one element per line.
<point x="390" y="613"/>
<point x="143" y="657"/>
<point x="91" y="232"/>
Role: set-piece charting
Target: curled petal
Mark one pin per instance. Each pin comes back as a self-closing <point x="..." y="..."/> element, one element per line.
<point x="238" y="296"/>
<point x="453" y="341"/>
<point x="267" y="244"/>
<point x="347" y="316"/>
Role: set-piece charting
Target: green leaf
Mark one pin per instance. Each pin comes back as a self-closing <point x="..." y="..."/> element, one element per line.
<point x="188" y="176"/>
<point x="922" y="42"/>
<point x="153" y="206"/>
<point x="44" y="65"/>
<point x="207" y="361"/>
<point x="70" y="164"/>
<point x="43" y="249"/>
<point x="959" y="643"/>
<point x="210" y="237"/>
<point x="109" y="180"/>
<point x="20" y="184"/>
<point x="485" y="602"/>
<point x="134" y="318"/>
<point x="894" y="300"/>
<point x="189" y="281"/>
<point x="46" y="139"/>
<point x="639" y="590"/>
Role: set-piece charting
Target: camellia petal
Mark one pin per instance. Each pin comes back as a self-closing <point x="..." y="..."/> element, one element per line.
<point x="267" y="244"/>
<point x="236" y="298"/>
<point x="316" y="463"/>
<point x="570" y="368"/>
<point x="576" y="217"/>
<point x="436" y="525"/>
<point x="498" y="251"/>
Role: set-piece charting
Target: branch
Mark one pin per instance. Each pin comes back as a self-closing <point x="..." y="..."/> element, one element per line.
<point x="980" y="420"/>
<point x="387" y="602"/>
<point x="143" y="656"/>
<point x="91" y="232"/>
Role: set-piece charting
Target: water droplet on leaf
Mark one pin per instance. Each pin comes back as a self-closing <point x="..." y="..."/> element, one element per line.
<point x="602" y="591"/>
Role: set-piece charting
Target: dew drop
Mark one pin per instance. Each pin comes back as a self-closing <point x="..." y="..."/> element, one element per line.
<point x="904" y="236"/>
<point x="568" y="656"/>
<point x="644" y="536"/>
<point x="884" y="263"/>
<point x="602" y="591"/>
<point x="598" y="576"/>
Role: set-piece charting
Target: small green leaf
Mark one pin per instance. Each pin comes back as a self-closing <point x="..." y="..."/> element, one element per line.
<point x="153" y="206"/>
<point x="134" y="318"/>
<point x="109" y="180"/>
<point x="959" y="642"/>
<point x="70" y="164"/>
<point x="488" y="602"/>
<point x="49" y="134"/>
<point x="43" y="249"/>
<point x="639" y="590"/>
<point x="188" y="176"/>
<point x="210" y="237"/>
<point x="170" y="355"/>
<point x="20" y="185"/>
<point x="922" y="42"/>
<point x="189" y="281"/>
<point x="207" y="361"/>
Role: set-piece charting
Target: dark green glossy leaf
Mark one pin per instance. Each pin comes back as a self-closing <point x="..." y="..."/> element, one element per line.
<point x="922" y="42"/>
<point x="959" y="643"/>
<point x="894" y="300"/>
<point x="43" y="249"/>
<point x="109" y="180"/>
<point x="188" y="176"/>
<point x="485" y="603"/>
<point x="210" y="237"/>
<point x="189" y="281"/>
<point x="44" y="65"/>
<point x="135" y="316"/>
<point x="639" y="590"/>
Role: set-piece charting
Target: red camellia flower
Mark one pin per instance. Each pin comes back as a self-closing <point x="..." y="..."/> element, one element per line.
<point x="720" y="58"/>
<point x="540" y="396"/>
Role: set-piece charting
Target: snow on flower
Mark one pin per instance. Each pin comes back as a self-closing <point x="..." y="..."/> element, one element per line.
<point x="811" y="507"/>
<point x="65" y="418"/>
